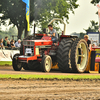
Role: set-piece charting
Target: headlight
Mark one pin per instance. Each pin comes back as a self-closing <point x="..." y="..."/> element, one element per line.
<point x="37" y="51"/>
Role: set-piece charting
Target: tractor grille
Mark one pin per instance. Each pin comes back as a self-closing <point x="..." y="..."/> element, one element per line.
<point x="28" y="43"/>
<point x="32" y="50"/>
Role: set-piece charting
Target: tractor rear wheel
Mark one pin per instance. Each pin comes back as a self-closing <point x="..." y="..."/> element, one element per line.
<point x="46" y="63"/>
<point x="17" y="66"/>
<point x="34" y="65"/>
<point x="79" y="55"/>
<point x="63" y="55"/>
<point x="25" y="66"/>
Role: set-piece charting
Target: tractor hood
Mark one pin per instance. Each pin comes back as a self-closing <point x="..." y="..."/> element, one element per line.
<point x="37" y="42"/>
<point x="46" y="40"/>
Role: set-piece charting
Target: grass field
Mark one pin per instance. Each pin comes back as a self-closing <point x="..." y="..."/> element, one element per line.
<point x="8" y="76"/>
<point x="49" y="76"/>
<point x="3" y="63"/>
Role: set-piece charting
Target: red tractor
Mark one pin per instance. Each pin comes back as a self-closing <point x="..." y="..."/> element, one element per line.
<point x="70" y="54"/>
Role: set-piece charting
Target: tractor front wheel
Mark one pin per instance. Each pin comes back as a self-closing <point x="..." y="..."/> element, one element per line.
<point x="17" y="66"/>
<point x="46" y="63"/>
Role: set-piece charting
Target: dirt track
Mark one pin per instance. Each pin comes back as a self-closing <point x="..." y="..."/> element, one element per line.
<point x="49" y="90"/>
<point x="46" y="89"/>
<point x="9" y="70"/>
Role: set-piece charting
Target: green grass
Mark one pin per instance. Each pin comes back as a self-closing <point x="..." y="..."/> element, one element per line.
<point x="49" y="76"/>
<point x="3" y="63"/>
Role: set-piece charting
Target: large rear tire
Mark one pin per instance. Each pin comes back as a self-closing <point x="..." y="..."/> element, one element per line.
<point x="34" y="65"/>
<point x="17" y="66"/>
<point x="63" y="55"/>
<point x="79" y="55"/>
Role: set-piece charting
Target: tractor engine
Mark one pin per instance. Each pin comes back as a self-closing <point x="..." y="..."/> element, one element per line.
<point x="36" y="47"/>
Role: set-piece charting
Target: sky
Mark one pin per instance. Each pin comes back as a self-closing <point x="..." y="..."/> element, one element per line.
<point x="81" y="19"/>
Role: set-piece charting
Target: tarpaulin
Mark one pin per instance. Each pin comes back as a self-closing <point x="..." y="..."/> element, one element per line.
<point x="7" y="55"/>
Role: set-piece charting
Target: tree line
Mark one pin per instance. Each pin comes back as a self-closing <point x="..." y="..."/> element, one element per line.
<point x="41" y="12"/>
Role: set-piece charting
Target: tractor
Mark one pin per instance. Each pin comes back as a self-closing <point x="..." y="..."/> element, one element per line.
<point x="70" y="53"/>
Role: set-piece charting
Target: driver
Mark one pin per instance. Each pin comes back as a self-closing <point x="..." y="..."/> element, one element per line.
<point x="53" y="34"/>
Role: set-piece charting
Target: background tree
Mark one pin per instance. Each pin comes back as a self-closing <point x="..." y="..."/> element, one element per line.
<point x="41" y="11"/>
<point x="14" y="10"/>
<point x="11" y="32"/>
<point x="82" y="35"/>
<point x="93" y="27"/>
<point x="95" y="1"/>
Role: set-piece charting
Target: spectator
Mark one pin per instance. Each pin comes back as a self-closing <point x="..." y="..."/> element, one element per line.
<point x="12" y="44"/>
<point x="15" y="41"/>
<point x="5" y="41"/>
<point x="86" y="37"/>
<point x="1" y="43"/>
<point x="94" y="45"/>
<point x="8" y="44"/>
<point x="18" y="43"/>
